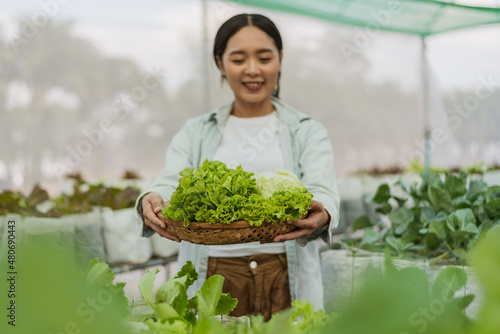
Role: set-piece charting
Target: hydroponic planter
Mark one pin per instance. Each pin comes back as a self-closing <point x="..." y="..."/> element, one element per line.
<point x="164" y="247"/>
<point x="122" y="230"/>
<point x="79" y="235"/>
<point x="343" y="275"/>
<point x="89" y="238"/>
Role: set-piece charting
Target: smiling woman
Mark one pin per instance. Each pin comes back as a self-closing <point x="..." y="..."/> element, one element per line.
<point x="261" y="133"/>
<point x="250" y="60"/>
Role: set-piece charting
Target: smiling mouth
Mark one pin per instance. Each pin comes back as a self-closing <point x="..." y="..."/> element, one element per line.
<point x="253" y="85"/>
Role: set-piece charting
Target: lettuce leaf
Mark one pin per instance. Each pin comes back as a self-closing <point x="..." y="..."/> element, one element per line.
<point x="146" y="284"/>
<point x="173" y="312"/>
<point x="100" y="277"/>
<point x="211" y="301"/>
<point x="277" y="180"/>
<point x="214" y="193"/>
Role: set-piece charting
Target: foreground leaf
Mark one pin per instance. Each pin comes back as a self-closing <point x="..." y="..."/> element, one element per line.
<point x="209" y="299"/>
<point x="146" y="284"/>
<point x="448" y="282"/>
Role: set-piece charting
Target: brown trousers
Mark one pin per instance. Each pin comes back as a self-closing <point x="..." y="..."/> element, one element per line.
<point x="260" y="282"/>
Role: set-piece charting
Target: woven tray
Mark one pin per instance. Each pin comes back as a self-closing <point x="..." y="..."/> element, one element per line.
<point x="224" y="234"/>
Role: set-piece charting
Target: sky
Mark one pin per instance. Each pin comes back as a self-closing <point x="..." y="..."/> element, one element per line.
<point x="118" y="28"/>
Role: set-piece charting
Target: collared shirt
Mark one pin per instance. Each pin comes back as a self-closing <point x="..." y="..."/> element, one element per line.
<point x="306" y="151"/>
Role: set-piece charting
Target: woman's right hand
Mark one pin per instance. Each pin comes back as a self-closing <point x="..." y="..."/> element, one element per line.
<point x="152" y="204"/>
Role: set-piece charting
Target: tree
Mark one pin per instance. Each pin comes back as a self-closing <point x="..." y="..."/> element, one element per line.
<point x="55" y="62"/>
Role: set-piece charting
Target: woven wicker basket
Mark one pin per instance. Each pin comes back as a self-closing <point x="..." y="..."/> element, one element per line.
<point x="224" y="234"/>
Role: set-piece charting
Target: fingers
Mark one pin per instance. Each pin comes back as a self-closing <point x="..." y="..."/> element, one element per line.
<point x="316" y="206"/>
<point x="151" y="209"/>
<point x="316" y="218"/>
<point x="152" y="205"/>
<point x="156" y="203"/>
<point x="150" y="219"/>
<point x="309" y="223"/>
<point x="292" y="235"/>
<point x="164" y="233"/>
<point x="312" y="222"/>
<point x="304" y="227"/>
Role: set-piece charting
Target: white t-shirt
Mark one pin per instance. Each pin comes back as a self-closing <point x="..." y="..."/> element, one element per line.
<point x="254" y="144"/>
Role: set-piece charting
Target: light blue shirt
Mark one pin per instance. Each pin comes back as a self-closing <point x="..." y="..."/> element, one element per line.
<point x="306" y="150"/>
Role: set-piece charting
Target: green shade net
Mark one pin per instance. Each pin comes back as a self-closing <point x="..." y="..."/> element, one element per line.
<point x="417" y="17"/>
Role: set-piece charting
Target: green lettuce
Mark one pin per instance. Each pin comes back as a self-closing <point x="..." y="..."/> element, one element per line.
<point x="277" y="180"/>
<point x="214" y="193"/>
<point x="173" y="311"/>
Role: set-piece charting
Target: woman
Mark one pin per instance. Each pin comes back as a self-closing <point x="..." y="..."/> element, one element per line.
<point x="259" y="132"/>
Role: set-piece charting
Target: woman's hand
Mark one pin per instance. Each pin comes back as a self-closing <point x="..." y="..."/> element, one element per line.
<point x="317" y="218"/>
<point x="152" y="204"/>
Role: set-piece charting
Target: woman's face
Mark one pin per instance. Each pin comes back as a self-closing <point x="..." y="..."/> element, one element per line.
<point x="251" y="63"/>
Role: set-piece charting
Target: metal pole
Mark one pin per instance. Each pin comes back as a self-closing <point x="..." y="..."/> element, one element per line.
<point x="205" y="53"/>
<point x="426" y="107"/>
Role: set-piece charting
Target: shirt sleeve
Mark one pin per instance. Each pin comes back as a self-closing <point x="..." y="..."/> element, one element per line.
<point x="177" y="158"/>
<point x="316" y="163"/>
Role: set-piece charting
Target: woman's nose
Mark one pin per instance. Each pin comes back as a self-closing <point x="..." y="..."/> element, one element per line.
<point x="252" y="67"/>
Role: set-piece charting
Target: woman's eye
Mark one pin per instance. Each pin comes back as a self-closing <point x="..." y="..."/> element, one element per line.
<point x="237" y="61"/>
<point x="265" y="60"/>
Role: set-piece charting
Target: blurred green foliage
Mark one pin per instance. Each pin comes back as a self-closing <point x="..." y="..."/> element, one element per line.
<point x="441" y="217"/>
<point x="83" y="198"/>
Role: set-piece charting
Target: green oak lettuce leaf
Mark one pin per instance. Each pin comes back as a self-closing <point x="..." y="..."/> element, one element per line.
<point x="212" y="326"/>
<point x="205" y="193"/>
<point x="306" y="319"/>
<point x="214" y="193"/>
<point x="172" y="327"/>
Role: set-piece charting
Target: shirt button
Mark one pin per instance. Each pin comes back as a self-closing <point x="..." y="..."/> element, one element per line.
<point x="253" y="264"/>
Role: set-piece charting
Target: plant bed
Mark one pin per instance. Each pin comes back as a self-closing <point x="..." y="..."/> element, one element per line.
<point x="163" y="247"/>
<point x="431" y="224"/>
<point x="122" y="230"/>
<point x="345" y="272"/>
<point x="441" y="217"/>
<point x="75" y="219"/>
<point x="402" y="300"/>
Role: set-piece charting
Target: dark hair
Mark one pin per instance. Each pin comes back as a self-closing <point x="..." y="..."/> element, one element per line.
<point x="235" y="23"/>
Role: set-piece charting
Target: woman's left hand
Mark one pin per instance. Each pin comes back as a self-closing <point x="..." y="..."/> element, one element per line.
<point x="317" y="218"/>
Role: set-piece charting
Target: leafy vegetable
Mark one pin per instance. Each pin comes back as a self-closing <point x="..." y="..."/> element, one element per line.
<point x="53" y="296"/>
<point x="17" y="202"/>
<point x="173" y="312"/>
<point x="214" y="193"/>
<point x="441" y="217"/>
<point x="485" y="259"/>
<point x="146" y="286"/>
<point x="300" y="318"/>
<point x="82" y="199"/>
<point x="411" y="304"/>
<point x="99" y="276"/>
<point x="209" y="299"/>
<point x="278" y="180"/>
